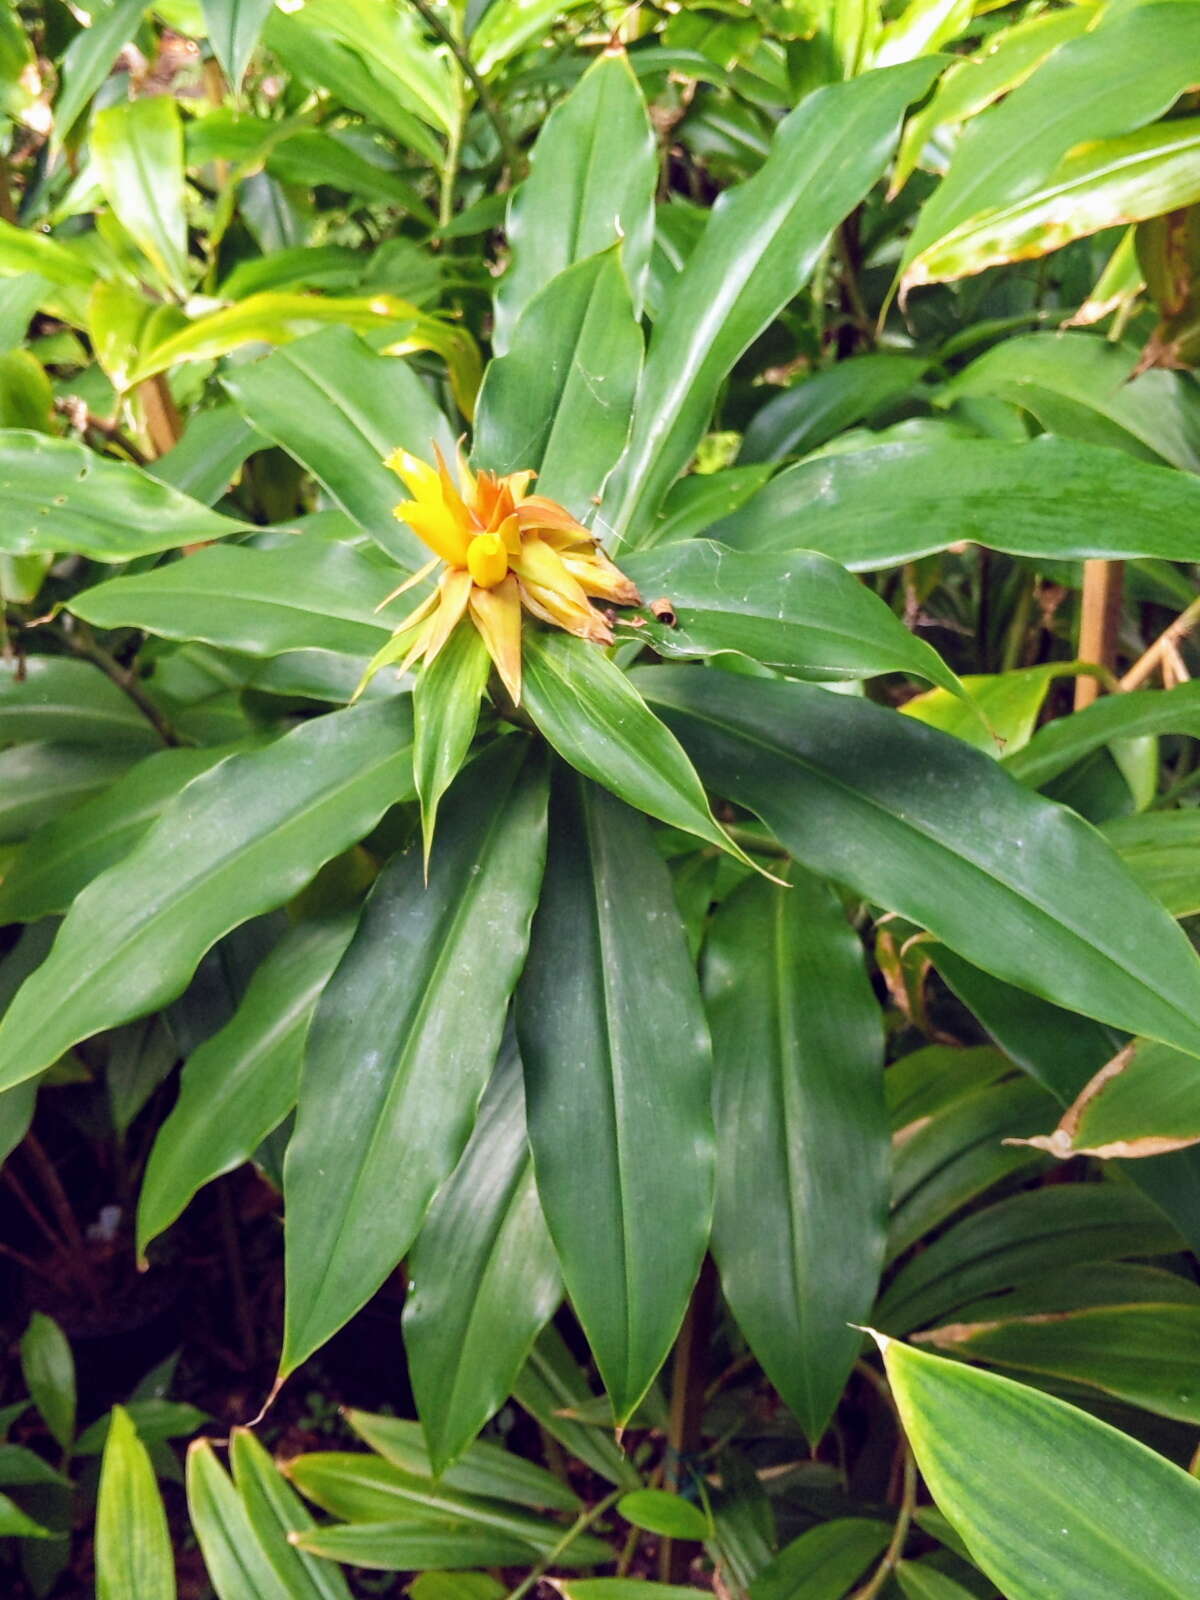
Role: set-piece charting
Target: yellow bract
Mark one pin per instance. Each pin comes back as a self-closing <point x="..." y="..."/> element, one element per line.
<point x="502" y="549"/>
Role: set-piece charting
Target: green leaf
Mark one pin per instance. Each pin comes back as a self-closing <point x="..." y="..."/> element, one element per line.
<point x="233" y="28"/>
<point x="445" y="715"/>
<point x="920" y="1581"/>
<point x="340" y="409"/>
<point x="239" y="840"/>
<point x="820" y="406"/>
<point x="49" y="1371"/>
<point x="762" y="241"/>
<point x="52" y="697"/>
<point x="617" y="1063"/>
<point x="484" y="1279"/>
<point x="822" y="1563"/>
<point x="39" y="782"/>
<point x="561" y="400"/>
<point x="364" y="1489"/>
<point x="24" y="252"/>
<point x="237" y="1562"/>
<point x="554" y="1391"/>
<point x="61" y="497"/>
<point x="88" y="60"/>
<point x="1016" y="884"/>
<point x="214" y="445"/>
<point x="276" y="1513"/>
<point x="591" y="182"/>
<point x="1023" y="1240"/>
<point x="802" y="614"/>
<point x="1081" y="386"/>
<point x="1162" y="850"/>
<point x="1060" y="744"/>
<point x="416" y="1542"/>
<point x="133" y="1545"/>
<point x="402" y="1042"/>
<point x="992" y="1453"/>
<point x="1006" y="706"/>
<point x="483" y="1469"/>
<point x="155" y="1421"/>
<point x="656" y="1511"/>
<point x="622" y="1589"/>
<point x="62" y="857"/>
<point x="798" y="1056"/>
<point x="587" y="708"/>
<point x="308" y="594"/>
<point x="17" y="1524"/>
<point x="894" y="502"/>
<point x="137" y="156"/>
<point x="242" y="1082"/>
<point x="1145" y="1355"/>
<point x="928" y="1081"/>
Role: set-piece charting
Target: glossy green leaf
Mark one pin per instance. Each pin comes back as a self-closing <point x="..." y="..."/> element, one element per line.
<point x="504" y="29"/>
<point x="241" y="1083"/>
<point x="402" y="1042"/>
<point x="1060" y="744"/>
<point x="1081" y="386"/>
<point x="587" y="708"/>
<point x="560" y="401"/>
<point x="88" y="60"/>
<point x="657" y="1511"/>
<point x="802" y="614"/>
<point x="234" y="1555"/>
<point x="61" y="496"/>
<point x="415" y="1543"/>
<point x="1021" y="1240"/>
<point x="1143" y="56"/>
<point x="591" y="182"/>
<point x="49" y="1371"/>
<point x="234" y="27"/>
<point x="1162" y="850"/>
<point x="992" y="1453"/>
<point x="366" y="1490"/>
<point x="17" y="1524"/>
<point x="920" y="1581"/>
<point x="137" y="155"/>
<point x="52" y="697"/>
<point x="1146" y="1355"/>
<point x="61" y="858"/>
<point x="276" y="1513"/>
<point x="483" y="1469"/>
<point x="622" y="1589"/>
<point x="822" y="1563"/>
<point x="694" y="503"/>
<point x="1144" y="1102"/>
<point x="484" y="1279"/>
<point x="762" y="241"/>
<point x="214" y="445"/>
<point x="1007" y="706"/>
<point x="445" y="715"/>
<point x="456" y="1586"/>
<point x="894" y="502"/>
<point x="23" y="251"/>
<point x="133" y="1545"/>
<point x="844" y="784"/>
<point x="801" y="1133"/>
<point x="340" y="409"/>
<point x="617" y="1062"/>
<point x="310" y="156"/>
<point x="820" y="406"/>
<point x="239" y="840"/>
<point x="306" y="595"/>
<point x="41" y="782"/>
<point x="154" y="1419"/>
<point x="554" y="1391"/>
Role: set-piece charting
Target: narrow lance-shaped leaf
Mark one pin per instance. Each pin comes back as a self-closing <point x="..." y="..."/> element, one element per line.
<point x="992" y="1453"/>
<point x="133" y="1545"/>
<point x="483" y="1277"/>
<point x="1016" y="884"/>
<point x="233" y="28"/>
<point x="403" y="1040"/>
<point x="802" y="1133"/>
<point x="242" y="1082"/>
<point x="591" y="182"/>
<point x="445" y="715"/>
<point x="137" y="152"/>
<point x="48" y="1368"/>
<point x="561" y="400"/>
<point x="762" y="241"/>
<point x="241" y="839"/>
<point x="278" y="1516"/>
<point x="894" y="502"/>
<point x="53" y="697"/>
<point x="617" y="1062"/>
<point x="238" y="1565"/>
<point x="1061" y="743"/>
<point x="61" y="497"/>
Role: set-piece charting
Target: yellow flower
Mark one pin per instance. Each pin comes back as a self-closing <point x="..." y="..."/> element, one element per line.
<point x="500" y="549"/>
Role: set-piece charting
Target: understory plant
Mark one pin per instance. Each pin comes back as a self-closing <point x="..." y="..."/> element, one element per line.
<point x="596" y="684"/>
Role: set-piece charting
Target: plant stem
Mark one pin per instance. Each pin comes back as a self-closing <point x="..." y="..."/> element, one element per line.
<point x="1103" y="582"/>
<point x="512" y="150"/>
<point x="79" y="640"/>
<point x="895" y="1549"/>
<point x="582" y="1523"/>
<point x="1145" y="664"/>
<point x="688" y="1384"/>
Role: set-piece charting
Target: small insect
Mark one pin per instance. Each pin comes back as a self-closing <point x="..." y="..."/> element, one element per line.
<point x="663" y="611"/>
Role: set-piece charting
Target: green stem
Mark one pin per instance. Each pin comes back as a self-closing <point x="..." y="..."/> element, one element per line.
<point x="891" y="1556"/>
<point x="512" y="150"/>
<point x="582" y="1523"/>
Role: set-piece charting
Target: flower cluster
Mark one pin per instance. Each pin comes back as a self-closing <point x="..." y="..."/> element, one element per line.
<point x="503" y="550"/>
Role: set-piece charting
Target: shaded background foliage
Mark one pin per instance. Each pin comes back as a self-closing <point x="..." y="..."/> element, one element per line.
<point x="862" y="335"/>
